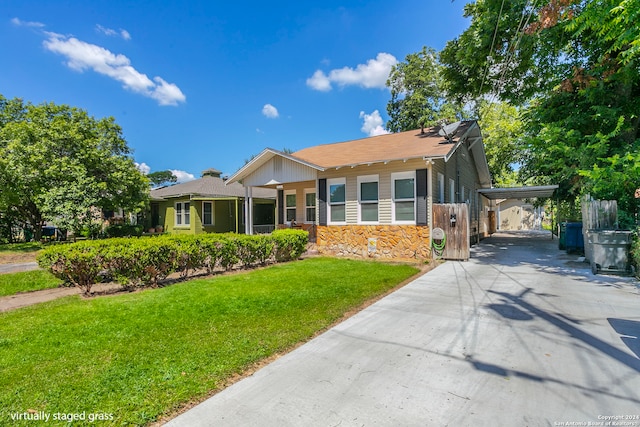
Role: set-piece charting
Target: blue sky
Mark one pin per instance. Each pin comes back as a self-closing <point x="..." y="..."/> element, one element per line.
<point x="196" y="85"/>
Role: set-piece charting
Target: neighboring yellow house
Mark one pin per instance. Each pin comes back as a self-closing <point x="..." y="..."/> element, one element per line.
<point x="376" y="194"/>
<point x="208" y="205"/>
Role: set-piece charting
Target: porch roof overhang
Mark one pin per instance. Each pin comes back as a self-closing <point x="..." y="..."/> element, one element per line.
<point x="526" y="192"/>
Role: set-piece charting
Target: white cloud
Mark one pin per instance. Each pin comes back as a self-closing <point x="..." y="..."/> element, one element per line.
<point x="166" y="93"/>
<point x="82" y="56"/>
<point x="183" y="176"/>
<point x="270" y="111"/>
<point x="319" y="81"/>
<point x="373" y="74"/>
<point x="19" y="22"/>
<point x="111" y="32"/>
<point x="372" y="125"/>
<point x="143" y="167"/>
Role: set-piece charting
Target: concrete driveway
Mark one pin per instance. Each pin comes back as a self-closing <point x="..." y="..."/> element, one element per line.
<point x="520" y="335"/>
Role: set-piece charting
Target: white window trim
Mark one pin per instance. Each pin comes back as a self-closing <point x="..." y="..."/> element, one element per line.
<point x="182" y="214"/>
<point x="363" y="179"/>
<point x="213" y="215"/>
<point x="308" y="191"/>
<point x="336" y="181"/>
<point x="440" y="188"/>
<point x="295" y="208"/>
<point x="394" y="177"/>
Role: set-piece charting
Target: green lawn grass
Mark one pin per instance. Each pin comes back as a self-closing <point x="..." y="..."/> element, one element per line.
<point x="21" y="247"/>
<point x="27" y="281"/>
<point x="139" y="356"/>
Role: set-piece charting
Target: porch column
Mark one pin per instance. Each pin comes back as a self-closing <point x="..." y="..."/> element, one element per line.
<point x="248" y="210"/>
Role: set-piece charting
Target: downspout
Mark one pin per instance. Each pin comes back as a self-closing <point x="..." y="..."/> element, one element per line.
<point x="429" y="163"/>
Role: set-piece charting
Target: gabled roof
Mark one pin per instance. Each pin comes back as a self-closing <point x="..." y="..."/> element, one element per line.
<point x="384" y="148"/>
<point x="208" y="187"/>
<point x="415" y="144"/>
<point x="262" y="158"/>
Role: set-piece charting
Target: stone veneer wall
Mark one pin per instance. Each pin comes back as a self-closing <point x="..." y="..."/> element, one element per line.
<point x="392" y="241"/>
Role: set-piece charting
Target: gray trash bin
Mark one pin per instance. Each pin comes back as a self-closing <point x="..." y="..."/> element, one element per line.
<point x="609" y="251"/>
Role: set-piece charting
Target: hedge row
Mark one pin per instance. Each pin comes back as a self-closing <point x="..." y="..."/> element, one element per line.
<point x="135" y="262"/>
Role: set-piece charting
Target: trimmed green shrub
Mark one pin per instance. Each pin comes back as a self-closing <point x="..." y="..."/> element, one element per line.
<point x="124" y="230"/>
<point x="81" y="263"/>
<point x="290" y="244"/>
<point x="228" y="251"/>
<point x="144" y="261"/>
<point x="211" y="248"/>
<point x="190" y="253"/>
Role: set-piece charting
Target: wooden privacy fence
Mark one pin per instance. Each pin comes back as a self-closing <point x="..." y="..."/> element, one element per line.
<point x="599" y="214"/>
<point x="453" y="220"/>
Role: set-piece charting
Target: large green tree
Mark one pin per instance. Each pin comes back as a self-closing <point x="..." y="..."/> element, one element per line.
<point x="502" y="53"/>
<point x="502" y="130"/>
<point x="160" y="178"/>
<point x="58" y="163"/>
<point x="574" y="66"/>
<point x="418" y="98"/>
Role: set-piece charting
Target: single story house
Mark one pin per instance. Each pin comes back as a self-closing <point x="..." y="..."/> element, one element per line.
<point x="208" y="205"/>
<point x="376" y="191"/>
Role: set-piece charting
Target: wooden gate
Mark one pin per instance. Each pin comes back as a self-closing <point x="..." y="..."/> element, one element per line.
<point x="453" y="219"/>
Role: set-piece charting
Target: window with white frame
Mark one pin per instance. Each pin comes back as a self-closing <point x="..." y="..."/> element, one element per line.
<point x="310" y="206"/>
<point x="337" y="200"/>
<point x="290" y="206"/>
<point x="403" y="188"/>
<point x="440" y="188"/>
<point x="183" y="216"/>
<point x="207" y="213"/>
<point x="368" y="198"/>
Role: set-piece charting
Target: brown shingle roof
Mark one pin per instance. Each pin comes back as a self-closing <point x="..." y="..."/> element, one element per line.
<point x="209" y="186"/>
<point x="394" y="146"/>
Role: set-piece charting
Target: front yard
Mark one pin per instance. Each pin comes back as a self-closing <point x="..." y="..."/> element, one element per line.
<point x="27" y="281"/>
<point x="132" y="359"/>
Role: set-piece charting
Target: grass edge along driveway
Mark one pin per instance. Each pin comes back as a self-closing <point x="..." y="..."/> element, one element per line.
<point x="27" y="281"/>
<point x="135" y="358"/>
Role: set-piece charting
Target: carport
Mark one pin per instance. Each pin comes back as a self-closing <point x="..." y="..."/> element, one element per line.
<point x="525" y="192"/>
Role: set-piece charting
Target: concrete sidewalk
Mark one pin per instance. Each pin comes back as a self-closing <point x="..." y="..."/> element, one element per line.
<point x="17" y="267"/>
<point x="520" y="335"/>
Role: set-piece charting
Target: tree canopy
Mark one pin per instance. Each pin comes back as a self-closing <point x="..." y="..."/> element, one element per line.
<point x="573" y="66"/>
<point x="418" y="98"/>
<point x="160" y="178"/>
<point x="57" y="163"/>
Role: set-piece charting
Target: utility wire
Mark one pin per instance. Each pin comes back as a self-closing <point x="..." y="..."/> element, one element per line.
<point x="495" y="34"/>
